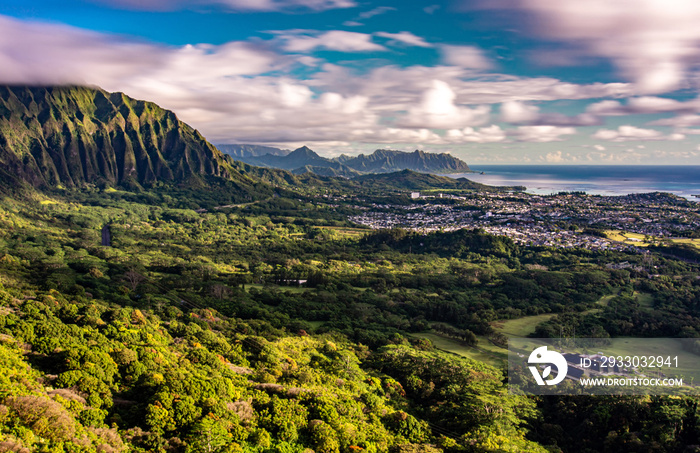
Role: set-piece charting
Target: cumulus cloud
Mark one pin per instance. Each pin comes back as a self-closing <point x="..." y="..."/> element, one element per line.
<point x="642" y="105"/>
<point x="678" y="121"/>
<point x="338" y="40"/>
<point x="490" y="134"/>
<point x="44" y="53"/>
<point x="519" y="112"/>
<point x="540" y="134"/>
<point x="250" y="91"/>
<point x="393" y="87"/>
<point x="237" y="5"/>
<point x="555" y="157"/>
<point x="405" y="37"/>
<point x="516" y="112"/>
<point x="468" y="57"/>
<point x="652" y="42"/>
<point x="631" y="133"/>
<point x="437" y="109"/>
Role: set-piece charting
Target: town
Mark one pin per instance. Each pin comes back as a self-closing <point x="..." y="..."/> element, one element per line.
<point x="566" y="220"/>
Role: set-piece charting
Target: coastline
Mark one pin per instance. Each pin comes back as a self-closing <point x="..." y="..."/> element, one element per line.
<point x="593" y="179"/>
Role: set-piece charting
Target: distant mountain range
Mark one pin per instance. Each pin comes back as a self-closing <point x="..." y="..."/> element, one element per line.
<point x="72" y="137"/>
<point x="251" y="150"/>
<point x="381" y="161"/>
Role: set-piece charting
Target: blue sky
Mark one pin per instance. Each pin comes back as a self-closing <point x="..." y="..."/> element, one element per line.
<point x="491" y="81"/>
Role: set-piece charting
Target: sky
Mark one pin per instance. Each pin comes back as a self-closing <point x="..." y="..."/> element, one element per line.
<point x="490" y="81"/>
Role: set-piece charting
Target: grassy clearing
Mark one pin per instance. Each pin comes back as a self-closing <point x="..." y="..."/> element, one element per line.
<point x="640" y="239"/>
<point x="645" y="300"/>
<point x="291" y="289"/>
<point x="628" y="238"/>
<point x="346" y="231"/>
<point x="693" y="242"/>
<point x="520" y="327"/>
<point x="485" y="351"/>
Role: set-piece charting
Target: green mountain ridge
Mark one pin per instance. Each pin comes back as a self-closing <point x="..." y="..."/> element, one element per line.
<point x="246" y="150"/>
<point x="72" y="136"/>
<point x="380" y="161"/>
<point x="386" y="160"/>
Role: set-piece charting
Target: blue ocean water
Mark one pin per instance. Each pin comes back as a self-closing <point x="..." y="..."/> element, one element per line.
<point x="593" y="179"/>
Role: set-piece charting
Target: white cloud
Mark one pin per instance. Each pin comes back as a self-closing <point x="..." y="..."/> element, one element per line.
<point x="676" y="154"/>
<point x="338" y="40"/>
<point x="599" y="147"/>
<point x="376" y="12"/>
<point x="44" y="53"/>
<point x="519" y="112"/>
<point x="678" y="121"/>
<point x="540" y="134"/>
<point x="396" y="88"/>
<point x="631" y="133"/>
<point x="642" y="105"/>
<point x="405" y="37"/>
<point x="555" y="157"/>
<point x="237" y="5"/>
<point x="652" y="42"/>
<point x="248" y="92"/>
<point x="490" y="134"/>
<point x="516" y="112"/>
<point x="468" y="57"/>
<point x="437" y="109"/>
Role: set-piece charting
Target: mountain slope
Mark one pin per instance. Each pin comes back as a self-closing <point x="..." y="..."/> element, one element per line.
<point x="238" y="151"/>
<point x="386" y="160"/>
<point x="411" y="180"/>
<point x="381" y="161"/>
<point x="71" y="136"/>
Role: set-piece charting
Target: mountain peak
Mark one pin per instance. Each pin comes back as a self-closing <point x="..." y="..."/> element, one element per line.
<point x="51" y="135"/>
<point x="304" y="151"/>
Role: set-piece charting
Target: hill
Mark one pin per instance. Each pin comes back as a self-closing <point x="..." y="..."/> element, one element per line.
<point x="71" y="136"/>
<point x="385" y="160"/>
<point x="381" y="161"/>
<point x="411" y="180"/>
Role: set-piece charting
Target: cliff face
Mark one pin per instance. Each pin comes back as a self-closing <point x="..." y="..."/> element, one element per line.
<point x="384" y="160"/>
<point x="75" y="135"/>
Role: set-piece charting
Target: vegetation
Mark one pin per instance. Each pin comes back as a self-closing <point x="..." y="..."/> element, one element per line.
<point x="191" y="333"/>
<point x="233" y="312"/>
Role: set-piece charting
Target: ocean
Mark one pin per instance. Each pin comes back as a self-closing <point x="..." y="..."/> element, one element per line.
<point x="592" y="179"/>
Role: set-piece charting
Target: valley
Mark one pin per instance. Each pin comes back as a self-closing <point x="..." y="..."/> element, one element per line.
<point x="248" y="309"/>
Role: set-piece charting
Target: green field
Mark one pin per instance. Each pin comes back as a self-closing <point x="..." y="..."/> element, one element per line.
<point x="645" y="300"/>
<point x="485" y="351"/>
<point x="640" y="239"/>
<point x="291" y="289"/>
<point x="627" y="238"/>
<point x="346" y="231"/>
<point x="520" y="327"/>
<point x="694" y="242"/>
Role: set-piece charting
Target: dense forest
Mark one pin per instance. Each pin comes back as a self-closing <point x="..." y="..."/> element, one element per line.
<point x="275" y="327"/>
